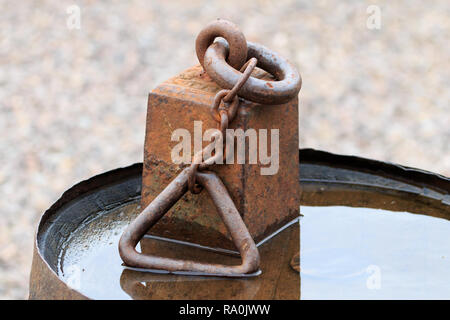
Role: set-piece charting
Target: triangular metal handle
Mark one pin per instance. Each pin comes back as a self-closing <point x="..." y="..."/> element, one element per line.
<point x="161" y="205"/>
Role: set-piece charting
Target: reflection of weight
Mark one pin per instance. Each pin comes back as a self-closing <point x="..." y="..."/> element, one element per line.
<point x="144" y="285"/>
<point x="277" y="281"/>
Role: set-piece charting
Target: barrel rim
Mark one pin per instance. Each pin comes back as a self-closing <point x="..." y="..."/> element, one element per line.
<point x="410" y="175"/>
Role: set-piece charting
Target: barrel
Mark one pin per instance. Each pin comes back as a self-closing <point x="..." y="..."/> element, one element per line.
<point x="343" y="198"/>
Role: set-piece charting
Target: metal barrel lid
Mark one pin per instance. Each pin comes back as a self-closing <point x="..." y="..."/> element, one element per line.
<point x="76" y="256"/>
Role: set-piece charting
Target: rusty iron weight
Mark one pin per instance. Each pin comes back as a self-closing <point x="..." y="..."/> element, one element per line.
<point x="226" y="64"/>
<point x="181" y="102"/>
<point x="187" y="180"/>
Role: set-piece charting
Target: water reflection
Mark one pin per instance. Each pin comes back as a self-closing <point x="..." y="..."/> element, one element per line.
<point x="346" y="253"/>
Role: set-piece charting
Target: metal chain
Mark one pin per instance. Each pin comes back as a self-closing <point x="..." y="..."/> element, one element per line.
<point x="224" y="115"/>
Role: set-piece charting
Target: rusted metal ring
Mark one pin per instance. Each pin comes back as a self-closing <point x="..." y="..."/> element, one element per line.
<point x="230" y="32"/>
<point x="286" y="87"/>
<point x="231" y="107"/>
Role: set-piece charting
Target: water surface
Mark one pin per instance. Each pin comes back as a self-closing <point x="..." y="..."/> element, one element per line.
<point x="363" y="253"/>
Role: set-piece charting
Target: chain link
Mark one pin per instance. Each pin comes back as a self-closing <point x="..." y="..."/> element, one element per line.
<point x="223" y="110"/>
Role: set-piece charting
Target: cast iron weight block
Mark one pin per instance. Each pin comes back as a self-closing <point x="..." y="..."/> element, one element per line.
<point x="266" y="202"/>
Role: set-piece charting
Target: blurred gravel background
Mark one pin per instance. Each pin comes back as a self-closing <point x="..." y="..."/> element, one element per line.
<point x="73" y="102"/>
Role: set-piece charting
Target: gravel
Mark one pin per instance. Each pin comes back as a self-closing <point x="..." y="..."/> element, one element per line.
<point x="73" y="102"/>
